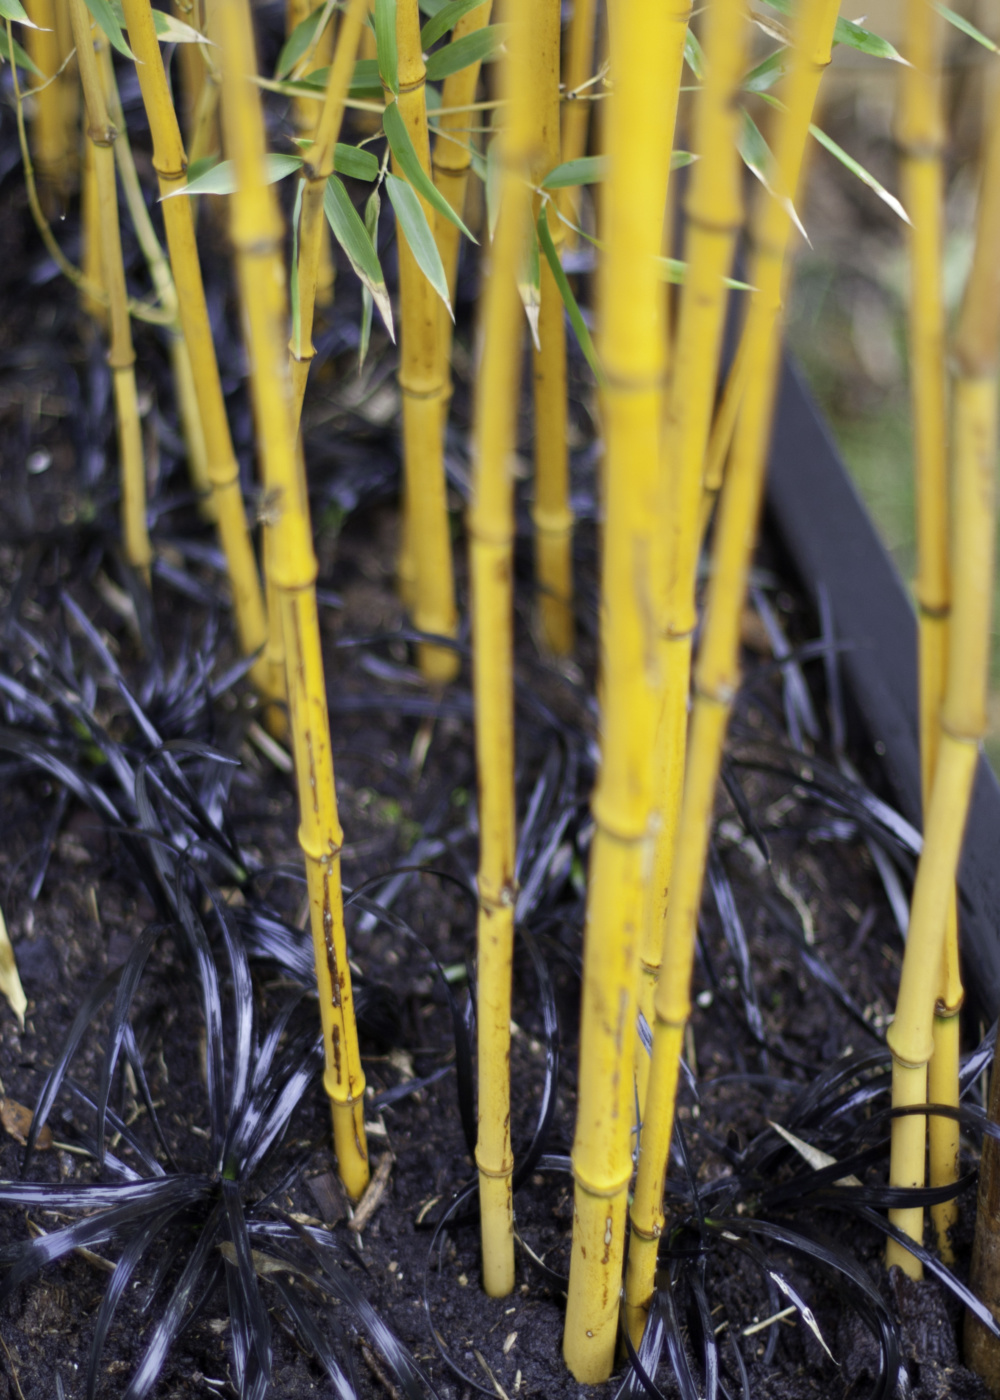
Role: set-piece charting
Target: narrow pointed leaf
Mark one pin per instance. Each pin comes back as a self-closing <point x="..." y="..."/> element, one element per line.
<point x="694" y="56"/>
<point x="481" y="46"/>
<point x="852" y="35"/>
<point x="587" y="170"/>
<point x="409" y="163"/>
<point x="385" y="44"/>
<point x="417" y="232"/>
<point x="221" y="177"/>
<point x="14" y="10"/>
<point x="171" y="30"/>
<point x="373" y="209"/>
<point x="569" y="300"/>
<point x="445" y="19"/>
<point x="21" y="58"/>
<point x="365" y="82"/>
<point x="301" y="39"/>
<point x="357" y="243"/>
<point x="109" y="25"/>
<point x="354" y="162"/>
<point x="756" y="155"/>
<point x="529" y="287"/>
<point x="962" y="24"/>
<point x="860" y="172"/>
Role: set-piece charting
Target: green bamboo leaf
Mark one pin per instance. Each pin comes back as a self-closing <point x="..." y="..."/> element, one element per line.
<point x="301" y="40"/>
<point x="354" y="162"/>
<point x="409" y="163"/>
<point x="446" y="18"/>
<point x="860" y="172"/>
<point x="373" y="208"/>
<point x="766" y="74"/>
<point x="853" y="35"/>
<point x="431" y="7"/>
<point x="481" y="46"/>
<point x="587" y="170"/>
<point x="970" y="30"/>
<point x="171" y="30"/>
<point x="220" y="178"/>
<point x="110" y="26"/>
<point x="529" y="286"/>
<point x="366" y="85"/>
<point x="674" y="270"/>
<point x="20" y="57"/>
<point x="385" y="44"/>
<point x="356" y="241"/>
<point x="569" y="300"/>
<point x="694" y="55"/>
<point x="15" y="11"/>
<point x="417" y="232"/>
<point x="756" y="156"/>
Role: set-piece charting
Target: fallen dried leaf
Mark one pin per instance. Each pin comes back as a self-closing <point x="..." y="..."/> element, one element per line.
<point x="16" y="1120"/>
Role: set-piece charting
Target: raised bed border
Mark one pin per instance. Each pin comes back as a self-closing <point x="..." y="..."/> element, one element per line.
<point x="830" y="540"/>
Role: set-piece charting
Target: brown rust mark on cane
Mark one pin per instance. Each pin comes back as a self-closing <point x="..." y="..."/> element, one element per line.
<point x="307" y="734"/>
<point x="336" y="977"/>
<point x="337" y="1057"/>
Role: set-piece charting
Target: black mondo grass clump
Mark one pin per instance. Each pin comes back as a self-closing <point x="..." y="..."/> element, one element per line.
<point x="777" y="1191"/>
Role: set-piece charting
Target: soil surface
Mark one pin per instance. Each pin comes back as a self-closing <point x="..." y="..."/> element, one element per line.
<point x="798" y="961"/>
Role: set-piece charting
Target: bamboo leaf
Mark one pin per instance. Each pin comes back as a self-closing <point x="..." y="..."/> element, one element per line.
<point x="587" y="170"/>
<point x="20" y="57"/>
<point x="365" y="81"/>
<point x="357" y="243"/>
<point x="432" y="7"/>
<point x="354" y="162"/>
<point x="409" y="163"/>
<point x="481" y="46"/>
<point x="446" y="18"/>
<point x="860" y="172"/>
<point x="221" y="177"/>
<point x="569" y="300"/>
<point x="10" y="982"/>
<point x="385" y="44"/>
<point x="373" y="208"/>
<point x="970" y="30"/>
<point x="766" y="74"/>
<point x="852" y="35"/>
<point x="302" y="39"/>
<point x="171" y="30"/>
<point x="674" y="270"/>
<point x="14" y="10"/>
<point x="694" y="55"/>
<point x="110" y="26"/>
<point x="756" y="156"/>
<point x="417" y="232"/>
<point x="529" y="286"/>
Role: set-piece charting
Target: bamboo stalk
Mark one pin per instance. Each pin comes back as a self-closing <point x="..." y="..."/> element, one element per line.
<point x="920" y="135"/>
<point x="306" y="123"/>
<point x="491" y="535"/>
<point x="714" y="210"/>
<point x="170" y="164"/>
<point x="577" y="70"/>
<point x="90" y="221"/>
<point x="633" y="347"/>
<point x="714" y="213"/>
<point x="976" y="352"/>
<point x="316" y="170"/>
<point x="430" y="594"/>
<point x="53" y="141"/>
<point x="257" y="240"/>
<point x="717" y="670"/>
<point x="121" y="356"/>
<point x="551" y="513"/>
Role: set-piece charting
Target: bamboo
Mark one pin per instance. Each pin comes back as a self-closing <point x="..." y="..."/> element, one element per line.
<point x="316" y="170"/>
<point x="577" y="70"/>
<point x="257" y="240"/>
<point x="53" y="141"/>
<point x="178" y="217"/>
<point x="491" y="535"/>
<point x="121" y="356"/>
<point x="306" y="123"/>
<point x="717" y="670"/>
<point x="551" y="512"/>
<point x="920" y="136"/>
<point x="191" y="59"/>
<point x="90" y="221"/>
<point x="430" y="594"/>
<point x="714" y="213"/>
<point x="976" y="353"/>
<point x="633" y="348"/>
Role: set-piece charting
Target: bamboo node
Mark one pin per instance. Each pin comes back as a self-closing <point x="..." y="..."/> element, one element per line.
<point x="945" y="1010"/>
<point x="917" y="1057"/>
<point x="413" y="393"/>
<point x="940" y="611"/>
<point x="171" y="177"/>
<point x="495" y="1174"/>
<point x="602" y="1193"/>
<point x="643" y="1233"/>
<point x="323" y="853"/>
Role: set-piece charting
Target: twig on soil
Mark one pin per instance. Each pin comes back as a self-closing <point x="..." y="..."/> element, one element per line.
<point x="372" y="1362"/>
<point x="13" y="1371"/>
<point x="372" y="1198"/>
<point x="501" y="1393"/>
<point x="768" y="1321"/>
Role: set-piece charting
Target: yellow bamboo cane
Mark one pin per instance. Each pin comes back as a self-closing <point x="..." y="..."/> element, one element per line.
<point x="191" y="59"/>
<point x="920" y="135"/>
<point x="52" y="141"/>
<point x="90" y="220"/>
<point x="714" y="211"/>
<point x="430" y="594"/>
<point x="306" y="123"/>
<point x="170" y="164"/>
<point x="717" y="670"/>
<point x="551" y="512"/>
<point x="976" y="352"/>
<point x="121" y="356"/>
<point x="577" y="70"/>
<point x="257" y="240"/>
<point x="316" y="170"/>
<point x="491" y="534"/>
<point x="633" y="347"/>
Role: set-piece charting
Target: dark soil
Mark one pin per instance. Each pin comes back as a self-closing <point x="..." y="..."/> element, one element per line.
<point x="824" y="953"/>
